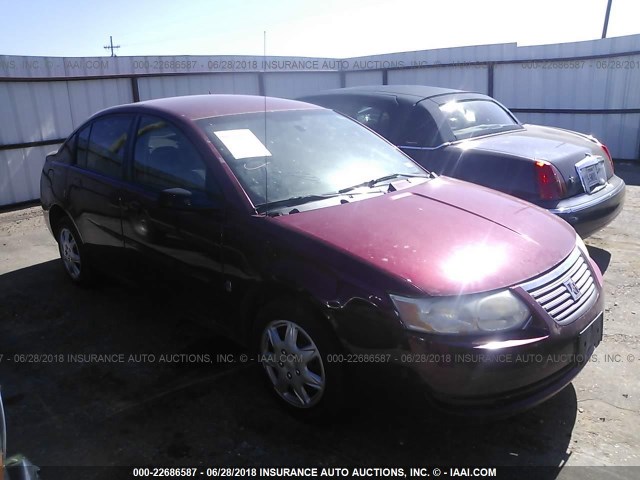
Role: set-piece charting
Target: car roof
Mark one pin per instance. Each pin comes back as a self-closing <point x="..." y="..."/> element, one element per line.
<point x="410" y="92"/>
<point x="195" y="107"/>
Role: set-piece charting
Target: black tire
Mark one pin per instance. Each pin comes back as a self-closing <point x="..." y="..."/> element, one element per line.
<point x="298" y="371"/>
<point x="72" y="253"/>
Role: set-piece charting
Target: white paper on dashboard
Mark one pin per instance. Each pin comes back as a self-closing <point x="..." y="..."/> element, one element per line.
<point x="242" y="143"/>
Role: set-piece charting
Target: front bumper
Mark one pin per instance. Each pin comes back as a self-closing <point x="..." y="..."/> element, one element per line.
<point x="514" y="371"/>
<point x="463" y="380"/>
<point x="489" y="375"/>
<point x="589" y="213"/>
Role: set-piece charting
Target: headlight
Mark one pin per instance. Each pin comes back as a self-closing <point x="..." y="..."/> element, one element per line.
<point x="580" y="244"/>
<point x="464" y="314"/>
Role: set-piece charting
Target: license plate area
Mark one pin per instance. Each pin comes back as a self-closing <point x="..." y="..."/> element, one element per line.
<point x="592" y="173"/>
<point x="589" y="339"/>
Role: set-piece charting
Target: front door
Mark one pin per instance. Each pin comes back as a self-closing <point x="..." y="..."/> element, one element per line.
<point x="173" y="215"/>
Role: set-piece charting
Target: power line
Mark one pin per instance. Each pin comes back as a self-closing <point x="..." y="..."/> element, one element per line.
<point x="111" y="46"/>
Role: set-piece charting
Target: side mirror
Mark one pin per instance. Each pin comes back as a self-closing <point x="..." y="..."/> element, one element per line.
<point x="182" y="199"/>
<point x="175" y="198"/>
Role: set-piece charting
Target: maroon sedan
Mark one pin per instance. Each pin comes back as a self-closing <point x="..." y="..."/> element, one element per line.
<point x="326" y="249"/>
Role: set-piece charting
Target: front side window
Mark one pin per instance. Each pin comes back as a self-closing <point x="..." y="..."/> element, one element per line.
<point x="164" y="158"/>
<point x="376" y="118"/>
<point x="107" y="143"/>
<point x="283" y="155"/>
<point x="473" y="118"/>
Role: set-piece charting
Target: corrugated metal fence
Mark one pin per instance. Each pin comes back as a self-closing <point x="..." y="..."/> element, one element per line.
<point x="593" y="87"/>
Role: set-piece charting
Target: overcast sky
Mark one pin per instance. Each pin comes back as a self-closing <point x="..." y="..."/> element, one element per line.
<point x="326" y="28"/>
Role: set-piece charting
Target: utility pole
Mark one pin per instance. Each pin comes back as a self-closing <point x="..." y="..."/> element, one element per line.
<point x="606" y="19"/>
<point x="111" y="46"/>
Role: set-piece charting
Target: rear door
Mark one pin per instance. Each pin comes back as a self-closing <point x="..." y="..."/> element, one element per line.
<point x="95" y="182"/>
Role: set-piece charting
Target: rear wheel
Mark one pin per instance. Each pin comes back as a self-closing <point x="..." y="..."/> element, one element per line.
<point x="72" y="253"/>
<point x="295" y="348"/>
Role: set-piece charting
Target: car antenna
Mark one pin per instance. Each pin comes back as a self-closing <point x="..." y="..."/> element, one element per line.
<point x="264" y="93"/>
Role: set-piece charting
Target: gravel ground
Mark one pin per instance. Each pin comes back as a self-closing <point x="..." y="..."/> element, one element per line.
<point x="173" y="412"/>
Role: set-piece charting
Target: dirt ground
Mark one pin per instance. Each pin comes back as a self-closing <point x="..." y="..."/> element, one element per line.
<point x="64" y="411"/>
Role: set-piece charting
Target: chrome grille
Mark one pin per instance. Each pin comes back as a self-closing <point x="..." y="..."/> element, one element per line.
<point x="567" y="291"/>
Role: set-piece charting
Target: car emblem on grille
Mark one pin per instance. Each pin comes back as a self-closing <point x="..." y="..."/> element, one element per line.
<point x="572" y="289"/>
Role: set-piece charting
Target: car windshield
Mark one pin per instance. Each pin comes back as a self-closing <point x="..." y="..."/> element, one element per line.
<point x="472" y="118"/>
<point x="304" y="155"/>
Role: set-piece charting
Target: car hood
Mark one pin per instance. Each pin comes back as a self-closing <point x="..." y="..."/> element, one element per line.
<point x="444" y="237"/>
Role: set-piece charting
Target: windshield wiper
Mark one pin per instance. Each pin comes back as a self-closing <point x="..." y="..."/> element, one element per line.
<point x="293" y="201"/>
<point x="300" y="200"/>
<point x="375" y="181"/>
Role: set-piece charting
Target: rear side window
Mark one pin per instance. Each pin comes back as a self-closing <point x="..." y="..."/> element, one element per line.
<point x="164" y="158"/>
<point x="420" y="130"/>
<point x="65" y="152"/>
<point x="82" y="146"/>
<point x="107" y="144"/>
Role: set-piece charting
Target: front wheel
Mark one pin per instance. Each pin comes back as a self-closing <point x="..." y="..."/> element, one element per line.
<point x="294" y="346"/>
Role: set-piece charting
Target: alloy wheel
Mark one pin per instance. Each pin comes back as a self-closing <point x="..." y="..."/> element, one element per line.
<point x="293" y="363"/>
<point x="70" y="253"/>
